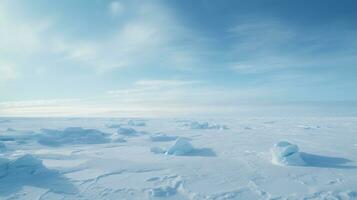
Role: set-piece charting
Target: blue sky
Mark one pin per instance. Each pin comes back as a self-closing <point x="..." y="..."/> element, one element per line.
<point x="154" y="58"/>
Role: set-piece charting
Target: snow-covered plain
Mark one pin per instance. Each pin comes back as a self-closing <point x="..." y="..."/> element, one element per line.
<point x="249" y="158"/>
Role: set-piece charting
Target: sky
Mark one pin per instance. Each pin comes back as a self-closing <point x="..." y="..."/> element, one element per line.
<point x="177" y="57"/>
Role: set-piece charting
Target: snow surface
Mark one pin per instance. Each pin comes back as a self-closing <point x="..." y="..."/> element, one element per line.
<point x="86" y="159"/>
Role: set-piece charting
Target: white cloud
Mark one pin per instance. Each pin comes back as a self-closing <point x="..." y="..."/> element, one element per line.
<point x="20" y="35"/>
<point x="149" y="36"/>
<point x="8" y="72"/>
<point x="115" y="8"/>
<point x="269" y="45"/>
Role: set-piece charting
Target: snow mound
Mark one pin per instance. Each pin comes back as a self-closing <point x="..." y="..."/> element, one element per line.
<point x="26" y="164"/>
<point x="127" y="131"/>
<point x="30" y="171"/>
<point x="181" y="147"/>
<point x="162" y="138"/>
<point x="206" y="125"/>
<point x="285" y="153"/>
<point x="72" y="135"/>
<point x="136" y="123"/>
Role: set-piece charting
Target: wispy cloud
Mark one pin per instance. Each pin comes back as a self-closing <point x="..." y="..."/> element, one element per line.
<point x="150" y="33"/>
<point x="116" y="8"/>
<point x="266" y="45"/>
<point x="8" y="72"/>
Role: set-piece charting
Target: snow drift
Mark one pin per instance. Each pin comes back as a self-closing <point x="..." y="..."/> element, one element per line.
<point x="72" y="135"/>
<point x="285" y="153"/>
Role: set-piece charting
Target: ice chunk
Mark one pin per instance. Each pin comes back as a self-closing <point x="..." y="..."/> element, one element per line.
<point x="285" y="153"/>
<point x="127" y="131"/>
<point x="136" y="123"/>
<point x="72" y="135"/>
<point x="181" y="147"/>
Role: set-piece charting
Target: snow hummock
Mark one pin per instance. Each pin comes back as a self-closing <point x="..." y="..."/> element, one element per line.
<point x="127" y="131"/>
<point x="72" y="135"/>
<point x="285" y="153"/>
<point x="28" y="170"/>
<point x="205" y="125"/>
<point x="26" y="164"/>
<point x="181" y="147"/>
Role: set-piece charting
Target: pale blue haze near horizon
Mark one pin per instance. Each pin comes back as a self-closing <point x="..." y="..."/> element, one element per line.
<point x="168" y="58"/>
